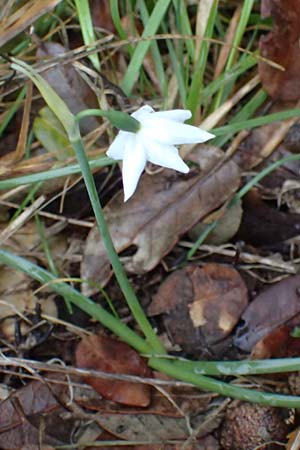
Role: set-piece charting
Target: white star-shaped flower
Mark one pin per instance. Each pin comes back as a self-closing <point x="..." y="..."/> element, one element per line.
<point x="155" y="141"/>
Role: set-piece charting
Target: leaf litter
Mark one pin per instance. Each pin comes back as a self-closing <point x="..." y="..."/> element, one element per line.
<point x="218" y="306"/>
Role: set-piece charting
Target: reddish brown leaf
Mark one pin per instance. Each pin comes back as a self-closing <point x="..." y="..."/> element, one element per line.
<point x="164" y="206"/>
<point x="282" y="47"/>
<point x="100" y="12"/>
<point x="269" y="310"/>
<point x="108" y="355"/>
<point x="278" y="344"/>
<point x="200" y="305"/>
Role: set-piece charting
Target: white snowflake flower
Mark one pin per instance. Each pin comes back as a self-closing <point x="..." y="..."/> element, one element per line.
<point x="155" y="142"/>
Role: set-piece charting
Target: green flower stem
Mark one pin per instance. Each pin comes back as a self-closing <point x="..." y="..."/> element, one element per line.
<point x="118" y="119"/>
<point x="239" y="368"/>
<point x="209" y="384"/>
<point x="122" y="279"/>
<point x="72" y="295"/>
<point x="182" y="370"/>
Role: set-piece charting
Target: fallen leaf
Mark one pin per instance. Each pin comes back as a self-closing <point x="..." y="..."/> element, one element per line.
<point x="229" y="220"/>
<point x="32" y="415"/>
<point x="269" y="310"/>
<point x="108" y="355"/>
<point x="281" y="45"/>
<point x="200" y="306"/>
<point x="263" y="225"/>
<point x="280" y="343"/>
<point x="101" y="15"/>
<point x="68" y="84"/>
<point x="165" y="206"/>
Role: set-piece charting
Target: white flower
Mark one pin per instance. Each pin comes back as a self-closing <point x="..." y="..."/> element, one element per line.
<point x="155" y="142"/>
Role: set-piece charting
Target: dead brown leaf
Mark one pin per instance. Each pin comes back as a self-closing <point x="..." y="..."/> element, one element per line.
<point x="200" y="305"/>
<point x="263" y="225"/>
<point x="280" y="343"/>
<point x="68" y="84"/>
<point x="108" y="355"/>
<point x="282" y="47"/>
<point x="269" y="310"/>
<point x="31" y="416"/>
<point x="164" y="207"/>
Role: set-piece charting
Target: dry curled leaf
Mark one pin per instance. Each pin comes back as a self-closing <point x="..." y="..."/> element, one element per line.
<point x="281" y="46"/>
<point x="269" y="310"/>
<point x="200" y="306"/>
<point x="164" y="207"/>
<point x="108" y="355"/>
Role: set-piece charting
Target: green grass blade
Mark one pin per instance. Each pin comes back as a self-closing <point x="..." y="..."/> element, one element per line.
<point x="72" y="169"/>
<point x="76" y="298"/>
<point x="87" y="29"/>
<point x="196" y="87"/>
<point x="133" y="70"/>
<point x="256" y="122"/>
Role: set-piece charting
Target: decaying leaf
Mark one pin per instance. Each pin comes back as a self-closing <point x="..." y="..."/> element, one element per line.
<point x="200" y="306"/>
<point x="282" y="47"/>
<point x="108" y="355"/>
<point x="152" y="428"/>
<point x="68" y="84"/>
<point x="269" y="310"/>
<point x="164" y="207"/>
<point x="263" y="225"/>
<point x="31" y="416"/>
<point x="229" y="220"/>
<point x="280" y="343"/>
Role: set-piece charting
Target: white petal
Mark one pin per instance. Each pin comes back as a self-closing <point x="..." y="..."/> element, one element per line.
<point x="165" y="156"/>
<point x="117" y="147"/>
<point x="178" y="115"/>
<point x="144" y="111"/>
<point x="133" y="165"/>
<point x="173" y="133"/>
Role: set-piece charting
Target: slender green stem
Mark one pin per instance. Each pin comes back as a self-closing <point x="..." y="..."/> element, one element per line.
<point x="53" y="173"/>
<point x="182" y="370"/>
<point x="228" y="390"/>
<point x="239" y="368"/>
<point x="126" y="287"/>
<point x="88" y="306"/>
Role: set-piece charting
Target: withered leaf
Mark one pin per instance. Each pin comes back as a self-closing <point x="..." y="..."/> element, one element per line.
<point x="282" y="47"/>
<point x="68" y="84"/>
<point x="262" y="225"/>
<point x="200" y="306"/>
<point x="164" y="207"/>
<point x="280" y="343"/>
<point x="108" y="355"/>
<point x="30" y="410"/>
<point x="269" y="310"/>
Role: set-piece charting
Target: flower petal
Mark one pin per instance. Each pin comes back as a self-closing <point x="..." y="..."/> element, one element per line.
<point x="133" y="165"/>
<point x="172" y="133"/>
<point x="117" y="147"/>
<point x="141" y="113"/>
<point x="165" y="156"/>
<point x="178" y="115"/>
